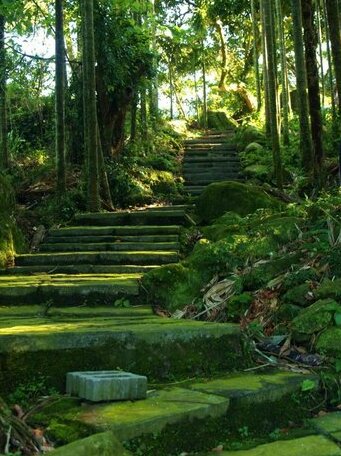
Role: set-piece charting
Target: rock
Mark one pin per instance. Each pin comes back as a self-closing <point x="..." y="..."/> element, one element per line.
<point x="329" y="342"/>
<point x="298" y="295"/>
<point x="243" y="199"/>
<point x="103" y="444"/>
<point x="249" y="134"/>
<point x="316" y="317"/>
<point x="255" y="171"/>
<point x="253" y="146"/>
<point x="330" y="289"/>
<point x="218" y="120"/>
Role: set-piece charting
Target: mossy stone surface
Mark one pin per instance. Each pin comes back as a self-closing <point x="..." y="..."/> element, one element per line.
<point x="243" y="199"/>
<point x="103" y="444"/>
<point x="311" y="445"/>
<point x="330" y="289"/>
<point x="329" y="424"/>
<point x="169" y="406"/>
<point x="298" y="295"/>
<point x="329" y="342"/>
<point x="316" y="317"/>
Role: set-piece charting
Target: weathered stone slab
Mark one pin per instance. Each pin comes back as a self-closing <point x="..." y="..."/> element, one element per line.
<point x="314" y="445"/>
<point x="99" y="386"/>
<point x="103" y="444"/>
<point x="329" y="424"/>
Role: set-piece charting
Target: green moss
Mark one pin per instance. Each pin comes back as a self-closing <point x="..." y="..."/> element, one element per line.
<point x="247" y="135"/>
<point x="316" y="317"/>
<point x="218" y="120"/>
<point x="298" y="295"/>
<point x="329" y="342"/>
<point x="238" y="305"/>
<point x="225" y="225"/>
<point x="334" y="260"/>
<point x="330" y="289"/>
<point x="243" y="199"/>
<point x="260" y="172"/>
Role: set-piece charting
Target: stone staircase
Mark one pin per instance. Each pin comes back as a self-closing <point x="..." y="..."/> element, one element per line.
<point x="210" y="158"/>
<point x="97" y="260"/>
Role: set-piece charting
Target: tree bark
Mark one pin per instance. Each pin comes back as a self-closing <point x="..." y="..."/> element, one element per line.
<point x="60" y="98"/>
<point x="255" y="31"/>
<point x="333" y="15"/>
<point x="223" y="49"/>
<point x="89" y="63"/>
<point x="265" y="76"/>
<point x="310" y="41"/>
<point x="269" y="41"/>
<point x="4" y="157"/>
<point x="301" y="83"/>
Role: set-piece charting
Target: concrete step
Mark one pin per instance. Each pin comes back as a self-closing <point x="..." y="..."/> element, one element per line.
<point x="111" y="239"/>
<point x="97" y="258"/>
<point x="79" y="269"/>
<point x="197" y="416"/>
<point x="157" y="217"/>
<point x="133" y="339"/>
<point x="66" y="290"/>
<point x="115" y="230"/>
<point x="109" y="247"/>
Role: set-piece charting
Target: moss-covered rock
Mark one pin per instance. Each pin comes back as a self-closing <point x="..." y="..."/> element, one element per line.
<point x="218" y="120"/>
<point x="334" y="260"/>
<point x="316" y="317"/>
<point x="103" y="444"/>
<point x="298" y="295"/>
<point x="257" y="171"/>
<point x="227" y="224"/>
<point x="243" y="199"/>
<point x="329" y="342"/>
<point x="330" y="289"/>
<point x="248" y="135"/>
<point x="287" y="312"/>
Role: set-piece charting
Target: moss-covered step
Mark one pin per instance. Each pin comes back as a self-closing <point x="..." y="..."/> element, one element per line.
<point x="111" y="239"/>
<point x="260" y="400"/>
<point x="189" y="160"/>
<point x="208" y="164"/>
<point x="329" y="425"/>
<point x="99" y="258"/>
<point x="79" y="269"/>
<point x="78" y="289"/>
<point x="171" y="217"/>
<point x="314" y="445"/>
<point x="114" y="230"/>
<point x="163" y="349"/>
<point x="102" y="444"/>
<point x="109" y="246"/>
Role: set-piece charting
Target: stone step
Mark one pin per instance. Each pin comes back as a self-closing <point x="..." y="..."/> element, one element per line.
<point x="111" y="239"/>
<point x="313" y="445"/>
<point x="210" y="165"/>
<point x="208" y="140"/>
<point x="109" y="247"/>
<point x="201" y="159"/>
<point x="65" y="290"/>
<point x="161" y="217"/>
<point x="79" y="269"/>
<point x="115" y="230"/>
<point x="207" y="180"/>
<point x="202" y="173"/>
<point x="98" y="258"/>
<point x="210" y="154"/>
<point x="196" y="416"/>
<point x="210" y="147"/>
<point x="132" y="339"/>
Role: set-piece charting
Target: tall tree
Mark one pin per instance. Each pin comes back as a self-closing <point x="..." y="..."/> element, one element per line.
<point x="333" y="14"/>
<point x="265" y="75"/>
<point x="271" y="76"/>
<point x="310" y="42"/>
<point x="89" y="63"/>
<point x="4" y="158"/>
<point x="284" y="74"/>
<point x="255" y="31"/>
<point x="60" y="97"/>
<point x="301" y="84"/>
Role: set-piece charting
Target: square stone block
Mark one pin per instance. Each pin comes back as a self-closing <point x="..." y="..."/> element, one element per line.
<point x="106" y="385"/>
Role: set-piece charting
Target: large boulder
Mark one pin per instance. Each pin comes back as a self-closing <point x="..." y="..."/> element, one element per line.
<point x="243" y="199"/>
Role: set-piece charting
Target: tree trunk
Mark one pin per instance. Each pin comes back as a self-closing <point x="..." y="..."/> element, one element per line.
<point x="223" y="49"/>
<point x="301" y="83"/>
<point x="335" y="39"/>
<point x="269" y="41"/>
<point x="4" y="158"/>
<point x="133" y="117"/>
<point x="255" y="31"/>
<point x="89" y="63"/>
<point x="144" y="122"/>
<point x="310" y="41"/>
<point x="284" y="74"/>
<point x="204" y="113"/>
<point x="60" y="98"/>
<point x="265" y="76"/>
<point x="320" y="43"/>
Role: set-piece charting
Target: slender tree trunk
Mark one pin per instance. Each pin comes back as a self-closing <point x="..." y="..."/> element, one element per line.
<point x="310" y="41"/>
<point x="319" y="30"/>
<point x="265" y="76"/>
<point x="90" y="107"/>
<point x="154" y="83"/>
<point x="4" y="158"/>
<point x="269" y="39"/>
<point x="255" y="31"/>
<point x="223" y="49"/>
<point x="333" y="15"/>
<point x="330" y="67"/>
<point x="171" y="89"/>
<point x="284" y="74"/>
<point x="60" y="98"/>
<point x="144" y="122"/>
<point x="105" y="187"/>
<point x="301" y="83"/>
<point x="133" y="117"/>
<point x="204" y="113"/>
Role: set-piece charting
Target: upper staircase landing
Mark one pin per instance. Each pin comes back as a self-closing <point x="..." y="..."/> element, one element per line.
<point x="210" y="158"/>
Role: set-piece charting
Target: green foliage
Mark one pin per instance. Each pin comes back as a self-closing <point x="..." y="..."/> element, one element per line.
<point x="27" y="394"/>
<point x="61" y="208"/>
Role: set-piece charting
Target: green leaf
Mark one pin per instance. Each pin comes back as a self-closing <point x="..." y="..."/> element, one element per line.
<point x="308" y="385"/>
<point x="337" y="318"/>
<point x="338" y="365"/>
